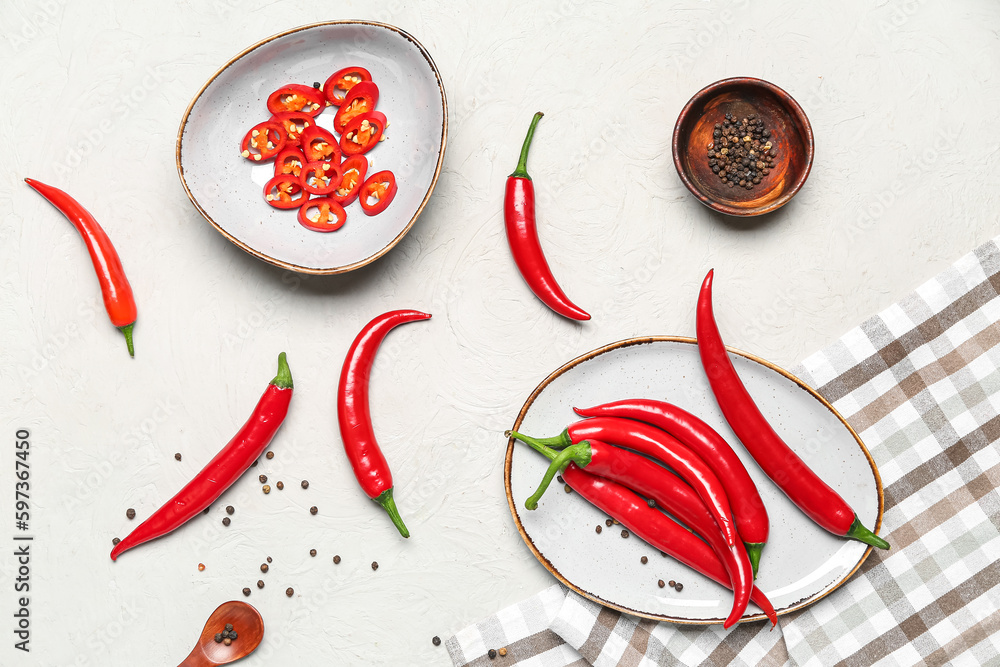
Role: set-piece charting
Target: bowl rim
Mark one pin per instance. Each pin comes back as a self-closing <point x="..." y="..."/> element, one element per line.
<point x="282" y="263"/>
<point x="787" y="101"/>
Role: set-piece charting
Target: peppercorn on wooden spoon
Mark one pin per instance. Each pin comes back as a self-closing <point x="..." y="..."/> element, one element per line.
<point x="247" y="624"/>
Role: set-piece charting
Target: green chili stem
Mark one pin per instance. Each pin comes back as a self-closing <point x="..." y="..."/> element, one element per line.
<point x="579" y="454"/>
<point x="556" y="441"/>
<point x="753" y="551"/>
<point x="389" y="505"/>
<point x="127" y="330"/>
<point x="283" y="380"/>
<point x="522" y="164"/>
<point x="858" y="532"/>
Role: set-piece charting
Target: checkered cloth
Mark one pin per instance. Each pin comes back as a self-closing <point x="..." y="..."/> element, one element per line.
<point x="920" y="382"/>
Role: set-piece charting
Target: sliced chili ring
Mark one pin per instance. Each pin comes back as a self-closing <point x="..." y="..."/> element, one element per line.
<point x="296" y="97"/>
<point x="318" y="144"/>
<point x="289" y="161"/>
<point x="279" y="191"/>
<point x="294" y="123"/>
<point x="330" y="216"/>
<point x="320" y="178"/>
<point x="340" y="82"/>
<point x="363" y="133"/>
<point x="273" y="141"/>
<point x="354" y="168"/>
<point x="382" y="188"/>
<point x="360" y="99"/>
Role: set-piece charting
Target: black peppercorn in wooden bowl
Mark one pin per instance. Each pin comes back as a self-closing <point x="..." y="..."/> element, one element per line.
<point x="753" y="114"/>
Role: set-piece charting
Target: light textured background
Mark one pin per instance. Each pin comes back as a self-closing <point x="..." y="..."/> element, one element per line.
<point x="901" y="95"/>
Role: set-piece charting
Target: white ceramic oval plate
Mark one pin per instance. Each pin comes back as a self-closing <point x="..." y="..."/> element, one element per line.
<point x="228" y="190"/>
<point x="801" y="562"/>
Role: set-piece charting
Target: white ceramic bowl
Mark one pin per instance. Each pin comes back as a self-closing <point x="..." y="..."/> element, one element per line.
<point x="228" y="190"/>
<point x="801" y="562"/>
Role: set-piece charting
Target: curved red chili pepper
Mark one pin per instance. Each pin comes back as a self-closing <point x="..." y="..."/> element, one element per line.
<point x="802" y="486"/>
<point x="670" y="493"/>
<point x="748" y="508"/>
<point x="656" y="528"/>
<point x="115" y="288"/>
<point x="354" y="417"/>
<point x="522" y="235"/>
<point x="227" y="466"/>
<point x="661" y="446"/>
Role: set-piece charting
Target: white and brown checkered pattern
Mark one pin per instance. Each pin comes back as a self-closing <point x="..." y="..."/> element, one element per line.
<point x="920" y="382"/>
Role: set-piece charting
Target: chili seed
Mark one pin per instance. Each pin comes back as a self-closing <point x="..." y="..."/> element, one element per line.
<point x="672" y="583"/>
<point x="263" y="567"/>
<point x="598" y="529"/>
<point x="313" y="509"/>
<point x="374" y="566"/>
<point x="270" y="455"/>
<point x="218" y="637"/>
<point x="660" y="583"/>
<point x="312" y="552"/>
<point x="246" y="592"/>
<point x="263" y="479"/>
<point x="289" y="592"/>
<point x="230" y="509"/>
<point x="644" y="560"/>
<point x="502" y="652"/>
<point x="227" y="641"/>
<point x="305" y="484"/>
<point x="336" y="560"/>
<point x="608" y="523"/>
<point x="436" y="640"/>
<point x="260" y="583"/>
<point x="115" y="541"/>
<point x="201" y="567"/>
<point x="280" y="485"/>
<point x="177" y="456"/>
<point x="130" y="513"/>
<point x="679" y="587"/>
<point x="266" y="488"/>
<point x="492" y="653"/>
<point x="226" y="521"/>
<point x="624" y="533"/>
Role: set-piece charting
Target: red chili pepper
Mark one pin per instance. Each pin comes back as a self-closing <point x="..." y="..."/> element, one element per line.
<point x="227" y="466"/>
<point x="382" y="188"/>
<point x="522" y="235"/>
<point x="666" y="490"/>
<point x="318" y="145"/>
<point x="294" y="123"/>
<point x="656" y="528"/>
<point x="279" y="190"/>
<point x="320" y="178"/>
<point x="296" y="97"/>
<point x="117" y="292"/>
<point x="802" y="486"/>
<point x="367" y="460"/>
<point x="342" y="81"/>
<point x="289" y="161"/>
<point x="363" y="133"/>
<point x="361" y="99"/>
<point x="263" y="141"/>
<point x="355" y="169"/>
<point x="330" y="215"/>
<point x="661" y="446"/>
<point x="705" y="441"/>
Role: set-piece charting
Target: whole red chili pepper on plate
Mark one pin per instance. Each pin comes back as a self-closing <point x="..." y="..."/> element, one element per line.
<point x="669" y="493"/>
<point x="785" y="468"/>
<point x="227" y="466"/>
<point x="748" y="508"/>
<point x="354" y="415"/>
<point x="522" y="235"/>
<point x="118" y="298"/>
<point x="661" y="446"/>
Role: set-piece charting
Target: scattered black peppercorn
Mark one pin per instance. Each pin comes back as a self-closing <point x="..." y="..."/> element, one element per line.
<point x="263" y="567"/>
<point x="624" y="533"/>
<point x="229" y="627"/>
<point x="254" y="464"/>
<point x="269" y="559"/>
<point x="336" y="560"/>
<point x="115" y="541"/>
<point x="218" y="637"/>
<point x="263" y="479"/>
<point x="502" y="652"/>
<point x="741" y="153"/>
<point x="560" y="479"/>
<point x="316" y="84"/>
<point x="660" y="583"/>
<point x="260" y="583"/>
<point x="313" y="509"/>
<point x="643" y="560"/>
<point x="312" y="552"/>
<point x="679" y="587"/>
<point x="567" y="489"/>
<point x="598" y="529"/>
<point x="270" y="455"/>
<point x="130" y="513"/>
<point x="177" y="456"/>
<point x="436" y="640"/>
<point x="305" y="484"/>
<point x="492" y="653"/>
<point x="280" y="485"/>
<point x="651" y="502"/>
<point x="230" y="509"/>
<point x="227" y="641"/>
<point x="233" y="635"/>
<point x="246" y="592"/>
<point x="374" y="566"/>
<point x="226" y="521"/>
<point x="672" y="583"/>
<point x="608" y="523"/>
<point x="266" y="488"/>
<point x="206" y="510"/>
<point x="289" y="592"/>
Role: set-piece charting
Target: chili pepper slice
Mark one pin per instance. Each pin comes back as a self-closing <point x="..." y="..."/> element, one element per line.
<point x="296" y="97"/>
<point x="666" y="489"/>
<point x="293" y="122"/>
<point x="329" y="217"/>
<point x="522" y="235"/>
<point x="227" y="466"/>
<point x="289" y="161"/>
<point x="363" y="133"/>
<point x="341" y="81"/>
<point x="279" y="191"/>
<point x="263" y="141"/>
<point x="377" y="192"/>
<point x="318" y="144"/>
<point x="118" y="298"/>
<point x="748" y="508"/>
<point x="656" y="528"/>
<point x="361" y="99"/>
<point x="354" y="415"/>
<point x="320" y="178"/>
<point x="355" y="168"/>
<point x="661" y="446"/>
<point x="802" y="486"/>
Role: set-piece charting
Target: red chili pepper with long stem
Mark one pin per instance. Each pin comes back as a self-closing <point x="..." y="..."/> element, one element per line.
<point x="802" y="486"/>
<point x="748" y="508"/>
<point x="522" y="235"/>
<point x="354" y="416"/>
<point x="668" y="491"/>
<point x="118" y="298"/>
<point x="656" y="528"/>
<point x="661" y="446"/>
<point x="228" y="465"/>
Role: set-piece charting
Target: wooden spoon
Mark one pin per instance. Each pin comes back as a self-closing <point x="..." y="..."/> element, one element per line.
<point x="247" y="624"/>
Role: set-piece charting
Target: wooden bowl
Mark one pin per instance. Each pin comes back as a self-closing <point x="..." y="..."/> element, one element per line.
<point x="791" y="135"/>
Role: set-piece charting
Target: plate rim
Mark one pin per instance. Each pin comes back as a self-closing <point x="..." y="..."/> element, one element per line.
<point x="282" y="263"/>
<point x="640" y="340"/>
